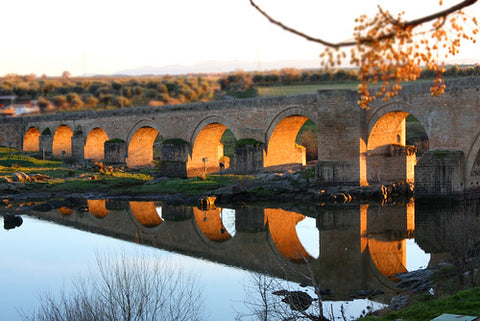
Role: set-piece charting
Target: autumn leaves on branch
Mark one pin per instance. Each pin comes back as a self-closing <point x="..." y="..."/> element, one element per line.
<point x="389" y="50"/>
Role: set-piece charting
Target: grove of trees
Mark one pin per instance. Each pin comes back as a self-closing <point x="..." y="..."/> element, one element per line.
<point x="68" y="93"/>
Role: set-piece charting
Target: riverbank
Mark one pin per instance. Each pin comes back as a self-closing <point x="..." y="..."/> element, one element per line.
<point x="23" y="175"/>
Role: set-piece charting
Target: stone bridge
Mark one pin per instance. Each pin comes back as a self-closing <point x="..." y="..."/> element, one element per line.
<point x="355" y="147"/>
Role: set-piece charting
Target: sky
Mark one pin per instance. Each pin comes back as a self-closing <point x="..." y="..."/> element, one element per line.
<point x="109" y="36"/>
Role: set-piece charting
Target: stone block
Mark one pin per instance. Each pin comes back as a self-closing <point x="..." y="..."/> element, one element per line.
<point x="248" y="159"/>
<point x="440" y="172"/>
<point x="115" y="152"/>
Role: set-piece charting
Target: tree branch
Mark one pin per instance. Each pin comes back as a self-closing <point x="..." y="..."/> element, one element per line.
<point x="408" y="24"/>
<point x="299" y="33"/>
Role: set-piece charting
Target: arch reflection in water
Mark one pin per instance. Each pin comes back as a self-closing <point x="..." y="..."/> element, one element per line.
<point x="98" y="208"/>
<point x="217" y="224"/>
<point x="417" y="258"/>
<point x="146" y="213"/>
<point x="309" y="236"/>
<point x="282" y="226"/>
<point x="349" y="247"/>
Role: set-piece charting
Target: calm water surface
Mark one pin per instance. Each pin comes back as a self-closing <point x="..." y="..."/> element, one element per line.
<point x="350" y="248"/>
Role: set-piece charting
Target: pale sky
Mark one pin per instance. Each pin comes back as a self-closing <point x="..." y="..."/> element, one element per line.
<point x="107" y="36"/>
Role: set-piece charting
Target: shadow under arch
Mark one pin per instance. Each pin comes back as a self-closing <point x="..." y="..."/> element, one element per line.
<point x="281" y="226"/>
<point x="207" y="150"/>
<point x="31" y="141"/>
<point x="62" y="141"/>
<point x="94" y="145"/>
<point x="281" y="135"/>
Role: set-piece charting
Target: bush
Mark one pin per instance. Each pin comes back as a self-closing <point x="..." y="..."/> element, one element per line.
<point x="127" y="288"/>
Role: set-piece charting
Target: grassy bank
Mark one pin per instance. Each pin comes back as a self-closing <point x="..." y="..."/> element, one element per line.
<point x="65" y="178"/>
<point x="465" y="302"/>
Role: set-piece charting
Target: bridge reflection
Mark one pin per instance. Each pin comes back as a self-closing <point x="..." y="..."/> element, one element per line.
<point x="355" y="247"/>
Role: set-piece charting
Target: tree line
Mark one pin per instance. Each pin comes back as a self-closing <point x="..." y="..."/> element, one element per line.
<point x="67" y="93"/>
<point x="289" y="76"/>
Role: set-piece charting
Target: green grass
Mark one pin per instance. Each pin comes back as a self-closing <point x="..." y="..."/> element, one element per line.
<point x="465" y="302"/>
<point x="14" y="161"/>
<point x="68" y="180"/>
<point x="194" y="185"/>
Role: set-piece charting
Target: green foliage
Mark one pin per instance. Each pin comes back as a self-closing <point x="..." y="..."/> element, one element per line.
<point x="60" y="101"/>
<point x="90" y="101"/>
<point x="106" y="98"/>
<point x="465" y="303"/>
<point x="249" y="93"/>
<point x="13" y="160"/>
<point x="121" y="101"/>
<point x="193" y="186"/>
<point x="174" y="141"/>
<point x="43" y="103"/>
<point x="247" y="142"/>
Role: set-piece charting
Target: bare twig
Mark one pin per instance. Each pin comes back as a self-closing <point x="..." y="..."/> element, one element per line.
<point x="404" y="25"/>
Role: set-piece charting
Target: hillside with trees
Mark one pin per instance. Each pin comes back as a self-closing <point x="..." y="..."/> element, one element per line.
<point x="94" y="93"/>
<point x="66" y="93"/>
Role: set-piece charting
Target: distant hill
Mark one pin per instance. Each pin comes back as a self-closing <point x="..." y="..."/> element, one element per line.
<point x="219" y="67"/>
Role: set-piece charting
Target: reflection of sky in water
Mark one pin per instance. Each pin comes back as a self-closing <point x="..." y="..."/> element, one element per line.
<point x="159" y="211"/>
<point x="416" y="257"/>
<point x="309" y="236"/>
<point x="228" y="220"/>
<point x="41" y="256"/>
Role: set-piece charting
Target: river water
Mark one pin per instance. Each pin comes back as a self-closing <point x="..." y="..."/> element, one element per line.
<point x="345" y="248"/>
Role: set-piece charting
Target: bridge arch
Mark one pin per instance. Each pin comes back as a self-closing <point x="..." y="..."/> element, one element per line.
<point x="140" y="144"/>
<point x="395" y="106"/>
<point x="388" y="156"/>
<point x="94" y="145"/>
<point x="213" y="120"/>
<point x="281" y="137"/>
<point x="31" y="141"/>
<point x="62" y="141"/>
<point x="207" y="150"/>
